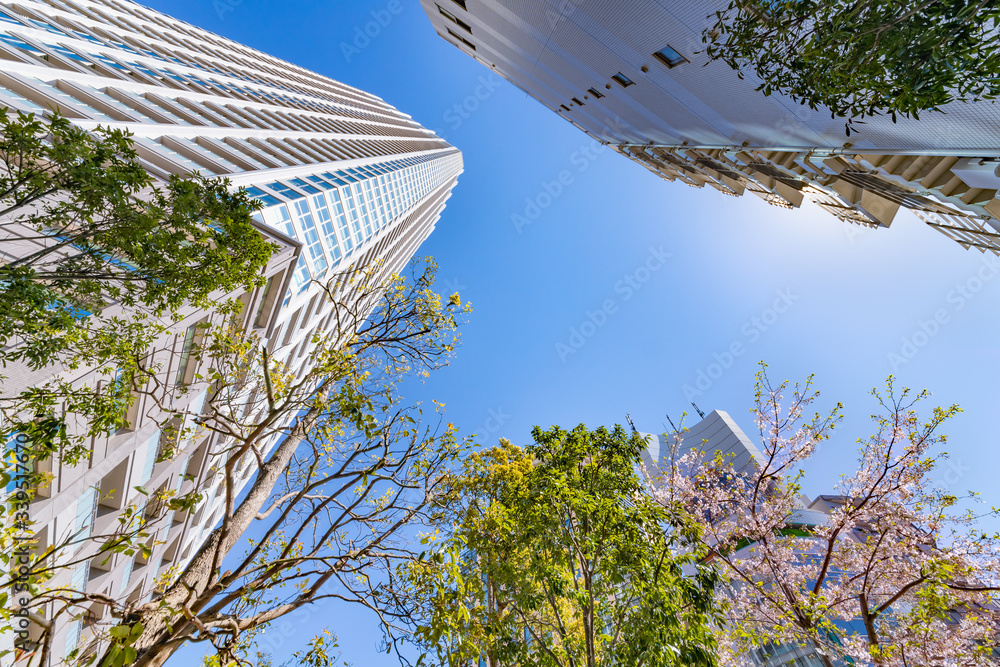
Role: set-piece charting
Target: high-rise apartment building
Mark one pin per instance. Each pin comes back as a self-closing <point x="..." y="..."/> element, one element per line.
<point x="632" y="74"/>
<point x="346" y="180"/>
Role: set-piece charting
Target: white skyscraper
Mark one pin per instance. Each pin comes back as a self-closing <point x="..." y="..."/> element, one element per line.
<point x="346" y="180"/>
<point x="632" y="74"/>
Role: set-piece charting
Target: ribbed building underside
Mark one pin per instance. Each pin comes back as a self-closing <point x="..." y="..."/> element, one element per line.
<point x="633" y="75"/>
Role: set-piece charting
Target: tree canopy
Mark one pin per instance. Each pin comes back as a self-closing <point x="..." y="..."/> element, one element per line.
<point x="862" y="58"/>
<point x="325" y="467"/>
<point x="97" y="256"/>
<point x="554" y="556"/>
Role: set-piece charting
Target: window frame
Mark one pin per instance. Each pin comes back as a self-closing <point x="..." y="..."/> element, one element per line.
<point x="454" y="19"/>
<point x="463" y="40"/>
<point x="622" y="80"/>
<point x="670" y="62"/>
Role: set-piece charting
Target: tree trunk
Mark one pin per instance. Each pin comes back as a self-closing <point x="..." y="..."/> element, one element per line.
<point x="588" y="621"/>
<point x="198" y="584"/>
<point x="824" y="658"/>
<point x="869" y="620"/>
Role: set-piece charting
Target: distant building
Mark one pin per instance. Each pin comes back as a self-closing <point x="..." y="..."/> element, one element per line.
<point x="631" y="75"/>
<point x="346" y="180"/>
<point x="717" y="434"/>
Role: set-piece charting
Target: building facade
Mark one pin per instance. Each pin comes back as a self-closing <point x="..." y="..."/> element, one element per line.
<point x="633" y="75"/>
<point x="347" y="182"/>
<point x="716" y="434"/>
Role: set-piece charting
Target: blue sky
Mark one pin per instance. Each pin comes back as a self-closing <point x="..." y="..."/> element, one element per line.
<point x="660" y="281"/>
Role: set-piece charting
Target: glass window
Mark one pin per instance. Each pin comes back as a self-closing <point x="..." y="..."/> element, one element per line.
<point x="46" y="26"/>
<point x="285" y="190"/>
<point x="362" y="200"/>
<point x="311" y="237"/>
<point x="181" y="160"/>
<point x="333" y="178"/>
<point x="301" y="277"/>
<point x="383" y="203"/>
<point x="257" y="193"/>
<point x="259" y="315"/>
<point x="284" y="222"/>
<point x="24" y="101"/>
<point x="454" y="19"/>
<point x="213" y="158"/>
<point x="10" y="40"/>
<point x="320" y="182"/>
<point x="4" y="16"/>
<point x="127" y="574"/>
<point x="122" y="387"/>
<point x="302" y="185"/>
<point x="461" y="39"/>
<point x="150" y="447"/>
<point x="342" y="224"/>
<point x="327" y="226"/>
<point x="352" y="210"/>
<point x="376" y="213"/>
<point x="66" y="53"/>
<point x="89" y="38"/>
<point x="623" y="80"/>
<point x="86" y="507"/>
<point x="186" y="349"/>
<point x="148" y="71"/>
<point x="10" y="449"/>
<point x="670" y="57"/>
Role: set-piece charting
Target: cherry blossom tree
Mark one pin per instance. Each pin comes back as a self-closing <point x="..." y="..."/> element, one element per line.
<point x="891" y="571"/>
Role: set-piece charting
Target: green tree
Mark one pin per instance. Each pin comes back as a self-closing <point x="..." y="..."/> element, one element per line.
<point x="338" y="468"/>
<point x="321" y="652"/>
<point x="96" y="256"/>
<point x="863" y="58"/>
<point x="555" y="556"/>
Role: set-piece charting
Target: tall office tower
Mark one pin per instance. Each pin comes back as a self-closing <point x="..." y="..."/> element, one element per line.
<point x="631" y="75"/>
<point x="346" y="181"/>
